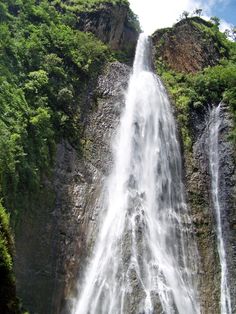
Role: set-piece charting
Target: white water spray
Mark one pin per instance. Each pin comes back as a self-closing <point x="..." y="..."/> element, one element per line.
<point x="145" y="258"/>
<point x="215" y="122"/>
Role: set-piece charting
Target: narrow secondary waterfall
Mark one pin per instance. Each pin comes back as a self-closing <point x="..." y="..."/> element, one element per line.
<point x="215" y="122"/>
<point x="145" y="258"/>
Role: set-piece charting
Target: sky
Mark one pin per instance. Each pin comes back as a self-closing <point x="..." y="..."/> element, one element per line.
<point x="154" y="14"/>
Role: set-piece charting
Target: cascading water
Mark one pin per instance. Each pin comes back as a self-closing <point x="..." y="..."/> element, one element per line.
<point x="215" y="122"/>
<point x="144" y="258"/>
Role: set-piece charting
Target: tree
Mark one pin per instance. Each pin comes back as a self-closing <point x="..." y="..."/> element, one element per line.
<point x="231" y="33"/>
<point x="215" y="20"/>
<point x="198" y="12"/>
<point x="185" y="14"/>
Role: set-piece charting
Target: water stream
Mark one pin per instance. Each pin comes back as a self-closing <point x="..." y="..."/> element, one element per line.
<point x="145" y="257"/>
<point x="215" y="122"/>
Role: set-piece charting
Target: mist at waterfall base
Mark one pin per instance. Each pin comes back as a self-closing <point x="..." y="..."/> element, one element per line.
<point x="214" y="126"/>
<point x="144" y="260"/>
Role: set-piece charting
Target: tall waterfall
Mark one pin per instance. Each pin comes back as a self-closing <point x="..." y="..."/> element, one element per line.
<point x="215" y="122"/>
<point x="144" y="260"/>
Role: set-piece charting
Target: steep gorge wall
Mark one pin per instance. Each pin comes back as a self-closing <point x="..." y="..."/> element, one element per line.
<point x="54" y="236"/>
<point x="112" y="25"/>
<point x="56" y="232"/>
<point x="187" y="48"/>
<point x="198" y="184"/>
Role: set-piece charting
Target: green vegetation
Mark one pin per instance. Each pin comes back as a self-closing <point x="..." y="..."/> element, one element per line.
<point x="82" y="5"/>
<point x="47" y="69"/>
<point x="5" y="240"/>
<point x="210" y="86"/>
<point x="45" y="64"/>
<point x="211" y="31"/>
<point x="8" y="300"/>
<point x="75" y="7"/>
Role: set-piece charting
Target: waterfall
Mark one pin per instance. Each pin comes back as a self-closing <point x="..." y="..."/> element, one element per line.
<point x="145" y="257"/>
<point x="215" y="122"/>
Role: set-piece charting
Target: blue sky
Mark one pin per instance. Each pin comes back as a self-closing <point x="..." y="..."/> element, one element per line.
<point x="227" y="11"/>
<point x="154" y="14"/>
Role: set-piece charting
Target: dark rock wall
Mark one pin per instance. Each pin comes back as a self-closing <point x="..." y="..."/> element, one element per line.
<point x="35" y="251"/>
<point x="198" y="187"/>
<point x="227" y="193"/>
<point x="110" y="24"/>
<point x="55" y="234"/>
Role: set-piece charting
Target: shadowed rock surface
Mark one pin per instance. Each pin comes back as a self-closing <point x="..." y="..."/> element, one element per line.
<point x="54" y="240"/>
<point x="54" y="236"/>
<point x="198" y="183"/>
<point x="111" y="24"/>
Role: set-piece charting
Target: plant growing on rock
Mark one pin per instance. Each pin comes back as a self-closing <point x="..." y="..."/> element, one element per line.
<point x="198" y="12"/>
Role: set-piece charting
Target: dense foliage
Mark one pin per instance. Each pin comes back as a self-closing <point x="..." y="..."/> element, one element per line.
<point x="8" y="300"/>
<point x="75" y="7"/>
<point x="207" y="87"/>
<point x="45" y="63"/>
<point x="46" y="69"/>
<point x="88" y="5"/>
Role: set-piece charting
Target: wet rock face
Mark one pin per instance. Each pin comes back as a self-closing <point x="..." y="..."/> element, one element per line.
<point x="198" y="186"/>
<point x="227" y="193"/>
<point x="185" y="47"/>
<point x="79" y="198"/>
<point x="199" y="199"/>
<point x="111" y="25"/>
<point x="103" y="118"/>
<point x="54" y="239"/>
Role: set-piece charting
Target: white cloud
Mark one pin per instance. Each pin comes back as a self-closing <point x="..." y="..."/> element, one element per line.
<point x="225" y="25"/>
<point x="154" y="14"/>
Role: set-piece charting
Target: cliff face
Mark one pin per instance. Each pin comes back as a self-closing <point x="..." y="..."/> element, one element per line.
<point x="78" y="186"/>
<point x="55" y="234"/>
<point x="189" y="47"/>
<point x="198" y="186"/>
<point x="54" y="240"/>
<point x="111" y="24"/>
<point x="55" y="226"/>
<point x="186" y="47"/>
